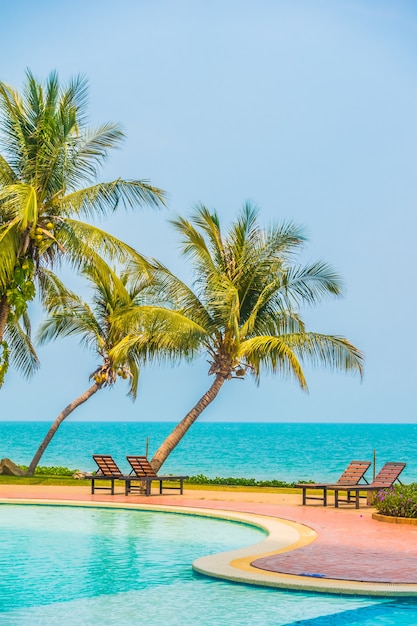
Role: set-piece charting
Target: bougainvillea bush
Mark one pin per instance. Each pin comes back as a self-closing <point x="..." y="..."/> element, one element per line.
<point x="397" y="501"/>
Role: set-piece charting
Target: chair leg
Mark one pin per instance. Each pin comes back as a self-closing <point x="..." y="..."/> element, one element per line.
<point x="92" y="485"/>
<point x="324" y="496"/>
<point x="336" y="498"/>
<point x="304" y="495"/>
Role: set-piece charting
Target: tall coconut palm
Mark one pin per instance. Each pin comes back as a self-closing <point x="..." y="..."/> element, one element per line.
<point x="70" y="316"/>
<point x="47" y="156"/>
<point x="245" y="306"/>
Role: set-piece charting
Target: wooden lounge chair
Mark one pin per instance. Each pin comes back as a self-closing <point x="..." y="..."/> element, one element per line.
<point x="352" y="475"/>
<point x="108" y="471"/>
<point x="385" y="479"/>
<point x="142" y="469"/>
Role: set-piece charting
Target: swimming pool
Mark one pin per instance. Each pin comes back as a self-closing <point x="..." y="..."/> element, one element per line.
<point x="76" y="566"/>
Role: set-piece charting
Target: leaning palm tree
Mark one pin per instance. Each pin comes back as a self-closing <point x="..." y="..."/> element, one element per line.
<point x="244" y="306"/>
<point x="47" y="156"/>
<point x="70" y="316"/>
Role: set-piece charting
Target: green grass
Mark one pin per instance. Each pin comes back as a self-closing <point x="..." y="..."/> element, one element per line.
<point x="67" y="481"/>
<point x="39" y="480"/>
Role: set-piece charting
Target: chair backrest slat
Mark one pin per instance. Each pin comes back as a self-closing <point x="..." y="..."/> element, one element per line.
<point x="141" y="466"/>
<point x="388" y="474"/>
<point x="107" y="465"/>
<point x="354" y="473"/>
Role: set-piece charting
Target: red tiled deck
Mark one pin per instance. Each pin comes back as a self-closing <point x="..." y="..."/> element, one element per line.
<point x="350" y="544"/>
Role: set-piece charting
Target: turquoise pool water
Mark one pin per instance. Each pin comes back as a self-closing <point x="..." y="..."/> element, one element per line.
<point x="81" y="566"/>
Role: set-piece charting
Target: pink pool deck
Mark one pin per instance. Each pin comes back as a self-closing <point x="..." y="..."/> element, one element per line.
<point x="350" y="545"/>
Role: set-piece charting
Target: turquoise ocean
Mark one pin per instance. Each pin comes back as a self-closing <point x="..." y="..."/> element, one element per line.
<point x="264" y="451"/>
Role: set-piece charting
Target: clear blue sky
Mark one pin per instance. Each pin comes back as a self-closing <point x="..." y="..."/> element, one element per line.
<point x="307" y="108"/>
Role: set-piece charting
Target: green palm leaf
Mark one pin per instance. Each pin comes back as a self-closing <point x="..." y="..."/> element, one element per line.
<point x="22" y="352"/>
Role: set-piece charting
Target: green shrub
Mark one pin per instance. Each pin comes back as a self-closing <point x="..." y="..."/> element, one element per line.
<point x="397" y="501"/>
<point x="51" y="471"/>
<point x="200" y="479"/>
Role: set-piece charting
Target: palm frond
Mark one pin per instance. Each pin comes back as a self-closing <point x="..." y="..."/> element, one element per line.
<point x="9" y="247"/>
<point x="336" y="353"/>
<point x="70" y="316"/>
<point x="310" y="283"/>
<point x="21" y="201"/>
<point x="75" y="97"/>
<point x="13" y="126"/>
<point x="7" y="174"/>
<point x="50" y="286"/>
<point x="104" y="198"/>
<point x="84" y="243"/>
<point x="92" y="149"/>
<point x="133" y="379"/>
<point x="154" y="319"/>
<point x="178" y="295"/>
<point x="209" y="223"/>
<point x="153" y="346"/>
<point x="274" y="355"/>
<point x="22" y="353"/>
<point x="193" y="245"/>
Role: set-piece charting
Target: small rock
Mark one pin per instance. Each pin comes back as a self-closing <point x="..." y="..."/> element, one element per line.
<point x="79" y="475"/>
<point x="9" y="468"/>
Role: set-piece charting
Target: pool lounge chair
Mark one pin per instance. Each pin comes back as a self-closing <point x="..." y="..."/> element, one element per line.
<point x="108" y="471"/>
<point x="142" y="469"/>
<point x="385" y="479"/>
<point x="352" y="475"/>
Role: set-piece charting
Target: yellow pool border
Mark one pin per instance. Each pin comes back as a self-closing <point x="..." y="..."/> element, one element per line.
<point x="235" y="565"/>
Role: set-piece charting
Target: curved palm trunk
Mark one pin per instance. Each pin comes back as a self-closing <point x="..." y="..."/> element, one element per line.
<point x="182" y="427"/>
<point x="4" y="313"/>
<point x="51" y="432"/>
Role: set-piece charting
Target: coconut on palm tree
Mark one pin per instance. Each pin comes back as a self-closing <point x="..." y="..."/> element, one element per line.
<point x="49" y="163"/>
<point x="69" y="315"/>
<point x="243" y="311"/>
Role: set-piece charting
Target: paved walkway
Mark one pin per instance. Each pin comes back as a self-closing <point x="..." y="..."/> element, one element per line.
<point x="350" y="544"/>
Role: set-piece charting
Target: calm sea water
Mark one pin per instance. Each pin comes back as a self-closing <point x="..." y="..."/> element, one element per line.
<point x="267" y="451"/>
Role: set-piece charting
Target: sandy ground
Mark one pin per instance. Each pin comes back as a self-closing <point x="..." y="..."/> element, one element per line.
<point x="83" y="492"/>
